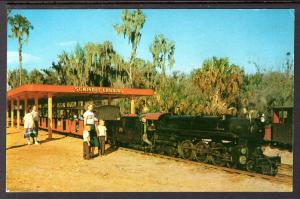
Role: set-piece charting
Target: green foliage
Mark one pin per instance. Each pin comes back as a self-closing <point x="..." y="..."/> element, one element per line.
<point x="275" y="89"/>
<point x="216" y="87"/>
<point x="95" y="64"/>
<point x="14" y="77"/>
<point x="35" y="77"/>
<point x="262" y="91"/>
<point x="220" y="83"/>
<point x="50" y="76"/>
<point x="162" y="50"/>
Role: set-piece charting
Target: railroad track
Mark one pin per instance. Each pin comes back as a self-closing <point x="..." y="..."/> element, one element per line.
<point x="281" y="177"/>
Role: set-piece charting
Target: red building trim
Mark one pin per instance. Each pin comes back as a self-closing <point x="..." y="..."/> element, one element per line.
<point x="43" y="90"/>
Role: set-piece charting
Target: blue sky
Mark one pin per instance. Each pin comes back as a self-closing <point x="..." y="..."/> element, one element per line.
<point x="263" y="36"/>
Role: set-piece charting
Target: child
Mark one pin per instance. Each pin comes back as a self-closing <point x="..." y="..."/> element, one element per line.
<point x="101" y="130"/>
<point x="86" y="143"/>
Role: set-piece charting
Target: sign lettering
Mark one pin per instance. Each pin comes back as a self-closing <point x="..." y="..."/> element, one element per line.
<point x="97" y="90"/>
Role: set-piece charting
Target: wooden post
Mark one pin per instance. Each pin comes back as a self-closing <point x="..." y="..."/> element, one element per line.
<point x="18" y="113"/>
<point x="82" y="110"/>
<point x="25" y="105"/>
<point x="76" y="105"/>
<point x="36" y="103"/>
<point x="49" y="116"/>
<point x="132" y="106"/>
<point x="12" y="113"/>
<point x="7" y="116"/>
<point x="109" y="100"/>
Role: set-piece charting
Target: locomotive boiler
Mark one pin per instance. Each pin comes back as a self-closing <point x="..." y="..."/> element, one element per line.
<point x="224" y="141"/>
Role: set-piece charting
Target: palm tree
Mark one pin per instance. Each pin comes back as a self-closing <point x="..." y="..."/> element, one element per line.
<point x="36" y="77"/>
<point x="13" y="77"/>
<point x="20" y="27"/>
<point x="132" y="24"/>
<point x="162" y="50"/>
<point x="220" y="82"/>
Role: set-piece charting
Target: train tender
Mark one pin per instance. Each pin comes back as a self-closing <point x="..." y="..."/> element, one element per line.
<point x="281" y="132"/>
<point x="223" y="141"/>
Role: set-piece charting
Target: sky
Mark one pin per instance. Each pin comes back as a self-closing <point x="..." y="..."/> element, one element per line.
<point x="244" y="36"/>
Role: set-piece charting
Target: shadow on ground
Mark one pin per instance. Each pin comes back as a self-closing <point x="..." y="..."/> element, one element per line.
<point x="107" y="151"/>
<point x="13" y="132"/>
<point x="41" y="142"/>
<point x="110" y="150"/>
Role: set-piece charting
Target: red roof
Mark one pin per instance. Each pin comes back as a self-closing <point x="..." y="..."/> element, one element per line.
<point x="43" y="90"/>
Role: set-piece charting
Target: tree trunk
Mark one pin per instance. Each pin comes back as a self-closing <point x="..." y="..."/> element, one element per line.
<point x="132" y="56"/>
<point x="20" y="60"/>
<point x="130" y="74"/>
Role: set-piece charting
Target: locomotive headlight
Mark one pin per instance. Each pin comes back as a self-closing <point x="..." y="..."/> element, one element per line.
<point x="243" y="159"/>
<point x="243" y="150"/>
<point x="262" y="119"/>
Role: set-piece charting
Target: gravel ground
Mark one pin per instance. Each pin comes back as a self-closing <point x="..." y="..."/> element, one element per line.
<point x="58" y="166"/>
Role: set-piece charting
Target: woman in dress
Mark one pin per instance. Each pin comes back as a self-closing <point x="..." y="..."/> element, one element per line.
<point x="89" y="121"/>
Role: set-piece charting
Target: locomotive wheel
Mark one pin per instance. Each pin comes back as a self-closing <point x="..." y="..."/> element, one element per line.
<point x="169" y="151"/>
<point x="232" y="163"/>
<point x="267" y="168"/>
<point x="250" y="166"/>
<point x="217" y="155"/>
<point x="202" y="149"/>
<point x="161" y="150"/>
<point x="185" y="149"/>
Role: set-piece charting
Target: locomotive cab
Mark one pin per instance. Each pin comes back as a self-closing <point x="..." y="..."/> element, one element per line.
<point x="111" y="115"/>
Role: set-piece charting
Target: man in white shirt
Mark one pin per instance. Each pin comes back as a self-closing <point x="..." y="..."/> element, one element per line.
<point x="29" y="128"/>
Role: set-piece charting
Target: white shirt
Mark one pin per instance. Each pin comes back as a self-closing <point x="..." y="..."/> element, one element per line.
<point x="89" y="117"/>
<point x="35" y="115"/>
<point x="28" y="121"/>
<point x="101" y="130"/>
<point x="86" y="136"/>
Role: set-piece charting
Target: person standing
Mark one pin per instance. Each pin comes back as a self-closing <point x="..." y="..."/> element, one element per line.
<point x="89" y="121"/>
<point x="86" y="144"/>
<point x="102" y="136"/>
<point x="35" y="116"/>
<point x="29" y="128"/>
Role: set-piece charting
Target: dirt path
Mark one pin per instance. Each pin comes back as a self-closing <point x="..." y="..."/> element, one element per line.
<point x="58" y="166"/>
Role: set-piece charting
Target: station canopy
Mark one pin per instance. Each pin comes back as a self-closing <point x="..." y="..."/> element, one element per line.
<point x="74" y="92"/>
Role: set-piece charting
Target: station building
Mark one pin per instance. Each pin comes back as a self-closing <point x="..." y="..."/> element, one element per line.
<point x="47" y="97"/>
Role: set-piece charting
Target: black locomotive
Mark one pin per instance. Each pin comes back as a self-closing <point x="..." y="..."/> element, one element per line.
<point x="223" y="141"/>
